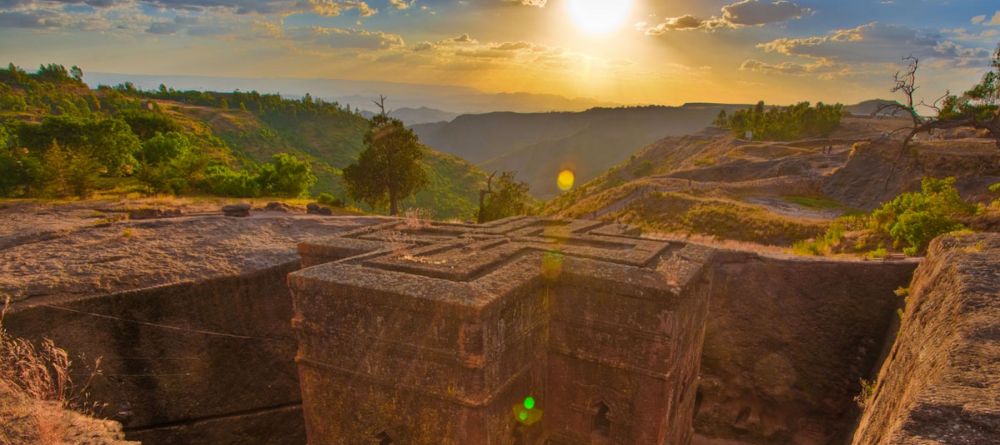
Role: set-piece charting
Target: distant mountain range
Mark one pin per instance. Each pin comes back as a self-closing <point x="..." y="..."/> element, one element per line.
<point x="360" y="93"/>
<point x="415" y="116"/>
<point x="869" y="107"/>
<point x="539" y="145"/>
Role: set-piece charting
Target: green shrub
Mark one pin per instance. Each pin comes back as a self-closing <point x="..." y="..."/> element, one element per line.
<point x="224" y="181"/>
<point x="912" y="220"/>
<point x="164" y="147"/>
<point x="286" y="175"/>
<point x="329" y="200"/>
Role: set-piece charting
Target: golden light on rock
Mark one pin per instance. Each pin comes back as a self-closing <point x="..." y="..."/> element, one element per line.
<point x="566" y="180"/>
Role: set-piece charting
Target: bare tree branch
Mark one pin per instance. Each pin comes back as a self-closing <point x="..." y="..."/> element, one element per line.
<point x="380" y="103"/>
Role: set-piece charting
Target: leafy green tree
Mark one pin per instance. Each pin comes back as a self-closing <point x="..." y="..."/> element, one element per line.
<point x="108" y="141"/>
<point x="56" y="162"/>
<point x="163" y="147"/>
<point x="82" y="174"/>
<point x="389" y="168"/>
<point x="286" y="175"/>
<point x="163" y="160"/>
<point x="147" y="124"/>
<point x="508" y="198"/>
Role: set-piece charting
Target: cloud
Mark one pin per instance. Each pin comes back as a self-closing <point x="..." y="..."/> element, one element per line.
<point x="331" y="8"/>
<point x="536" y="3"/>
<point x="823" y="68"/>
<point x="737" y="15"/>
<point x="876" y="43"/>
<point x="38" y="19"/>
<point x="401" y="4"/>
<point x="686" y="22"/>
<point x="513" y="46"/>
<point x="280" y="7"/>
<point x="755" y="12"/>
<point x="978" y="19"/>
<point x="995" y="21"/>
<point x="345" y="38"/>
<point x="464" y="38"/>
<point x="163" y="28"/>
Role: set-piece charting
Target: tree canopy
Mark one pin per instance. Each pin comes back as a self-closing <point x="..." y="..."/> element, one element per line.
<point x="389" y="168"/>
<point x="783" y="123"/>
<point x="507" y="197"/>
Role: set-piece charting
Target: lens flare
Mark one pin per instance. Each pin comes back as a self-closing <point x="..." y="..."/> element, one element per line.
<point x="529" y="402"/>
<point x="565" y="180"/>
<point x="552" y="265"/>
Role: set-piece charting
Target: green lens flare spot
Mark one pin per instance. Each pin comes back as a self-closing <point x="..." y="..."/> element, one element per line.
<point x="522" y="416"/>
<point x="529" y="403"/>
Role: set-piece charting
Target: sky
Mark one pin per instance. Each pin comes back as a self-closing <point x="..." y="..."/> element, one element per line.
<point x="618" y="51"/>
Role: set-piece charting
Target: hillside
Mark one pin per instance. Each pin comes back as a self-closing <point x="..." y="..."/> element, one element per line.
<point x="770" y="192"/>
<point x="239" y="130"/>
<point x="539" y="145"/>
<point x="417" y="116"/>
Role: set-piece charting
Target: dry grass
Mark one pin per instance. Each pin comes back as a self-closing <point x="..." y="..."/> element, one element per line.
<point x="42" y="372"/>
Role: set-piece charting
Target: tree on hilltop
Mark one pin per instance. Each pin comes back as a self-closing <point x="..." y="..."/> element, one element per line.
<point x="389" y="169"/>
<point x="979" y="107"/>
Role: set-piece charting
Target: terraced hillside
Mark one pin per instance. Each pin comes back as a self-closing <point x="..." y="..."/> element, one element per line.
<point x="777" y="193"/>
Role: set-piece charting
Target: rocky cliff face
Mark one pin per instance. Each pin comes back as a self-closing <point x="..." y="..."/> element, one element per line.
<point x="941" y="381"/>
<point x="190" y="315"/>
<point x="787" y="340"/>
<point x="879" y="171"/>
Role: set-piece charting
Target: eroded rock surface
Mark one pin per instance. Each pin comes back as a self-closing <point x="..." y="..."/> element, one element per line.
<point x="189" y="314"/>
<point x="941" y="381"/>
<point x="74" y="251"/>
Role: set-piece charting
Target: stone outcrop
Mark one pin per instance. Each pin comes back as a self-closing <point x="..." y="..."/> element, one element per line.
<point x="879" y="171"/>
<point x="241" y="210"/>
<point x="174" y="356"/>
<point x="190" y="316"/>
<point x="434" y="334"/>
<point x="430" y="333"/>
<point x="941" y="381"/>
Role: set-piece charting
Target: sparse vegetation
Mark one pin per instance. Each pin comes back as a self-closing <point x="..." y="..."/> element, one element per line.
<point x="814" y="202"/>
<point x="908" y="223"/>
<point x="672" y="212"/>
<point x="867" y="392"/>
<point x="977" y="108"/>
<point x="43" y="372"/>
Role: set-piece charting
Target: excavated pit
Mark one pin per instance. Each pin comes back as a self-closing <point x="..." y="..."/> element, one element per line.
<point x="632" y="341"/>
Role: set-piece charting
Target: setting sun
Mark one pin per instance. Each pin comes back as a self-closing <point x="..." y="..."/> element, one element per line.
<point x="599" y="16"/>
